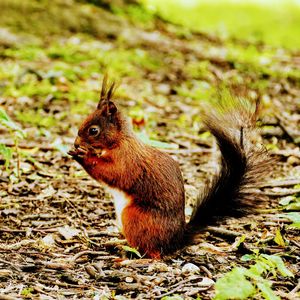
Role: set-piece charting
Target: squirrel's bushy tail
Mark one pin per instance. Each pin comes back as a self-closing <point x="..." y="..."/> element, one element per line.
<point x="243" y="164"/>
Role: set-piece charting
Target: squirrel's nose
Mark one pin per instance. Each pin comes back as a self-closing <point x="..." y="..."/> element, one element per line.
<point x="77" y="142"/>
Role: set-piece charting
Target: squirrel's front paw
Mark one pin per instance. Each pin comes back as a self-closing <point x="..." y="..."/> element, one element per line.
<point x="72" y="152"/>
<point x="77" y="152"/>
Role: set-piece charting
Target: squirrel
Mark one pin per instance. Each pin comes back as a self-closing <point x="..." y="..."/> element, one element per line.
<point x="147" y="184"/>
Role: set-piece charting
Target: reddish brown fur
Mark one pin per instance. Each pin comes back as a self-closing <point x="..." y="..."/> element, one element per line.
<point x="153" y="220"/>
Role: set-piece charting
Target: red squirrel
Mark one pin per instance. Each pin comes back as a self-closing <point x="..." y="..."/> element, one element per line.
<point x="147" y="184"/>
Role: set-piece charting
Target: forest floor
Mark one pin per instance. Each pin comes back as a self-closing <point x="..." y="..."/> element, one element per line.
<point x="58" y="238"/>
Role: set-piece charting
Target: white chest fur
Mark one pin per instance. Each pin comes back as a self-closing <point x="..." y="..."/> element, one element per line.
<point x="121" y="200"/>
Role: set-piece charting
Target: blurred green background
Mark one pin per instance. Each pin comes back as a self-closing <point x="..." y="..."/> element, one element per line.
<point x="53" y="55"/>
<point x="274" y="22"/>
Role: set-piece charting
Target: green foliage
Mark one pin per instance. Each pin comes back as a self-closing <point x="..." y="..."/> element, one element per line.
<point x="174" y="297"/>
<point x="277" y="25"/>
<point x="31" y="87"/>
<point x="77" y="60"/>
<point x="197" y="89"/>
<point x="290" y="203"/>
<point x="28" y="53"/>
<point x="6" y="121"/>
<point x="36" y="118"/>
<point x="294" y="217"/>
<point x="234" y="285"/>
<point x="6" y="153"/>
<point x="16" y="133"/>
<point x="242" y="283"/>
<point x="157" y="144"/>
<point x="66" y="66"/>
<point x="27" y="292"/>
<point x="279" y="238"/>
<point x="198" y="69"/>
<point x="56" y="17"/>
<point x="137" y="14"/>
<point x="132" y="251"/>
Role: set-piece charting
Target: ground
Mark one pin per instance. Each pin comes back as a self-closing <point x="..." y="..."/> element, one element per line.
<point x="58" y="238"/>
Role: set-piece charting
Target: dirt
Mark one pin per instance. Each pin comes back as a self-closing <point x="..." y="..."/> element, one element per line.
<point x="58" y="238"/>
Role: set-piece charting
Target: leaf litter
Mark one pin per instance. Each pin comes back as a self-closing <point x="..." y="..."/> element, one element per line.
<point x="58" y="235"/>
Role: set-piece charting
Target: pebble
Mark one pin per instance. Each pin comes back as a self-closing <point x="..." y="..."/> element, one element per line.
<point x="129" y="279"/>
<point x="163" y="89"/>
<point x="190" y="268"/>
<point x="49" y="240"/>
<point x="158" y="267"/>
<point x="159" y="280"/>
<point x="5" y="273"/>
<point x="292" y="160"/>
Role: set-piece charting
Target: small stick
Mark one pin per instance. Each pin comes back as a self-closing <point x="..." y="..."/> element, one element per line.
<point x="295" y="289"/>
<point x="223" y="231"/>
<point x="177" y="286"/>
<point x="76" y="256"/>
<point x="279" y="183"/>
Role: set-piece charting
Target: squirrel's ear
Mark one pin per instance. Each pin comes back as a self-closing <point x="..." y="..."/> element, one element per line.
<point x="108" y="108"/>
<point x="112" y="109"/>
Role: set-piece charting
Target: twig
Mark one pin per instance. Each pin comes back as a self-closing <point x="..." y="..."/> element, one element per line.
<point x="33" y="230"/>
<point x="17" y="245"/>
<point x="56" y="265"/>
<point x="286" y="296"/>
<point x="295" y="243"/>
<point x="177" y="286"/>
<point x="293" y="152"/>
<point x="222" y="231"/>
<point x="296" y="288"/>
<point x="147" y="100"/>
<point x="102" y="233"/>
<point x="39" y="290"/>
<point x="64" y="284"/>
<point x="7" y="297"/>
<point x="89" y="252"/>
<point x="10" y="264"/>
<point x="28" y="146"/>
<point x="284" y="128"/>
<point x="170" y="292"/>
<point x="114" y="243"/>
<point x="282" y="193"/>
<point x="136" y="263"/>
<point x="204" y="269"/>
<point x="277" y="183"/>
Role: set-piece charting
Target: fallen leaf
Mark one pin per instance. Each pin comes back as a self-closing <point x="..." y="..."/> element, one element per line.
<point x="68" y="232"/>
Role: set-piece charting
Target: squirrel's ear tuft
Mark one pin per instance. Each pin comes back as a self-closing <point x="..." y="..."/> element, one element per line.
<point x="107" y="92"/>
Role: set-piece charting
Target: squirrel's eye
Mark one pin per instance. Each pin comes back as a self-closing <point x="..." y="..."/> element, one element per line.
<point x="94" y="130"/>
